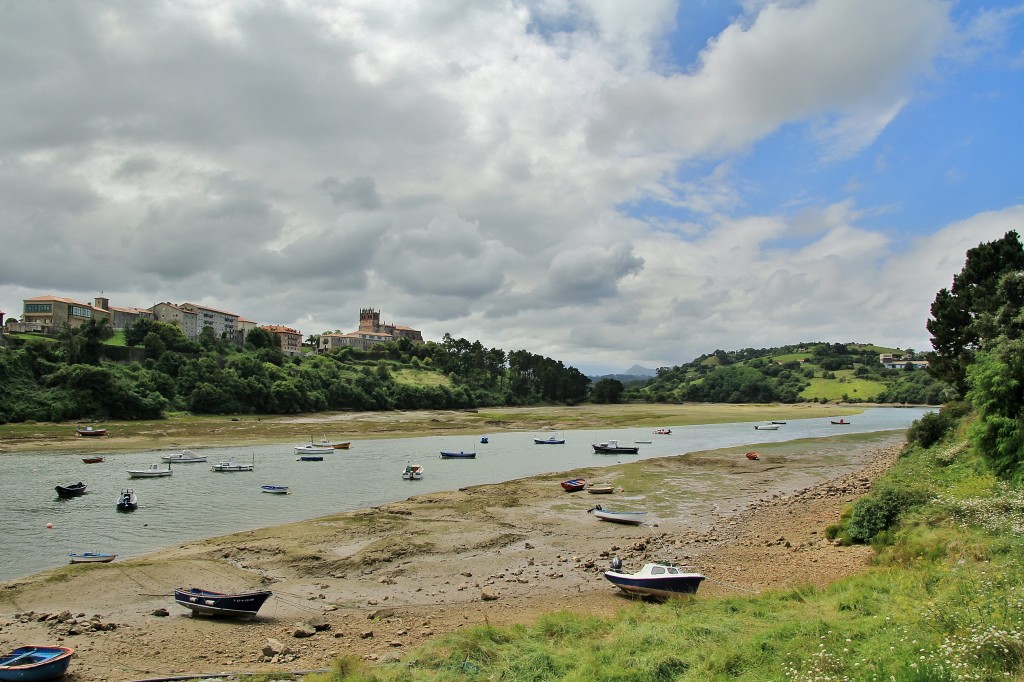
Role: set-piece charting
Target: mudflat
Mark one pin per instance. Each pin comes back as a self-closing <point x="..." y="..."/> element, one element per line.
<point x="379" y="582"/>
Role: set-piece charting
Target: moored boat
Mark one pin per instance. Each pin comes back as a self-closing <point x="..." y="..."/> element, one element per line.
<point x="840" y="421"/>
<point x="631" y="518"/>
<point x="128" y="500"/>
<point x="72" y="490"/>
<point x="243" y="605"/>
<point x="90" y="431"/>
<point x="275" y="489"/>
<point x="612" y="447"/>
<point x="36" y="663"/>
<point x="412" y="472"/>
<point x="662" y="432"/>
<point x="450" y="454"/>
<point x="184" y="457"/>
<point x="550" y="440"/>
<point x="309" y="458"/>
<point x="313" y="449"/>
<point x="152" y="471"/>
<point x="766" y="427"/>
<point x="91" y="557"/>
<point x="571" y="485"/>
<point x="656" y="580"/>
<point x="232" y="465"/>
<point x="92" y="460"/>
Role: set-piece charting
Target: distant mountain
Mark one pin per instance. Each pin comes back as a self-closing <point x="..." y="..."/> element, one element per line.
<point x="638" y="371"/>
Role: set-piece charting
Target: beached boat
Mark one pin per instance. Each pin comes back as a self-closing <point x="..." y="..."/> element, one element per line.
<point x="184" y="457"/>
<point x="412" y="472"/>
<point x="152" y="471"/>
<point x="91" y="557"/>
<point x="632" y="518"/>
<point x="656" y="580"/>
<point x="128" y="500"/>
<point x="275" y="489"/>
<point x="243" y="605"/>
<point x="550" y="440"/>
<point x="572" y="485"/>
<point x="766" y="427"/>
<point x="600" y="489"/>
<point x="232" y="465"/>
<point x="72" y="490"/>
<point x="449" y="454"/>
<point x="313" y="449"/>
<point x="612" y="447"/>
<point x="753" y="455"/>
<point x="662" y="432"/>
<point x="36" y="663"/>
<point x="90" y="431"/>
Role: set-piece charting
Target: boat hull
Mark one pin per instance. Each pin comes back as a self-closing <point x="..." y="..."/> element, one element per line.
<point x="659" y="587"/>
<point x="36" y="663"/>
<point x="767" y="427"/>
<point x="627" y="518"/>
<point x="574" y="484"/>
<point x="127" y="501"/>
<point x="242" y="606"/>
<point x="549" y="441"/>
<point x="91" y="558"/>
<point x="92" y="460"/>
<point x="311" y="458"/>
<point x="446" y="454"/>
<point x="275" y="489"/>
<point x="66" y="491"/>
<point x="600" y="489"/>
<point x="88" y="432"/>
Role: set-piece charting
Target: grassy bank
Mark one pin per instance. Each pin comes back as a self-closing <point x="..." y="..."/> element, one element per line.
<point x="944" y="600"/>
<point x="186" y="430"/>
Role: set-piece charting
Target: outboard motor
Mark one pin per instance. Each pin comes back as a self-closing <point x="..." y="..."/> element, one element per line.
<point x="616" y="563"/>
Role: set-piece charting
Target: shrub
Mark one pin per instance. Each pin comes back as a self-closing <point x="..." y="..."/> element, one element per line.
<point x="879" y="511"/>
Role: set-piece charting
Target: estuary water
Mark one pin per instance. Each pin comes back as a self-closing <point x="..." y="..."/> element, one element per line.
<point x="196" y="502"/>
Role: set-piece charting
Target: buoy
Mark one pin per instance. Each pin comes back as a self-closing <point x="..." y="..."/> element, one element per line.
<point x="49" y="525"/>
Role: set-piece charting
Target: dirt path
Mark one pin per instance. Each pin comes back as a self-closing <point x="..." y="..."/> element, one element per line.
<point x="380" y="582"/>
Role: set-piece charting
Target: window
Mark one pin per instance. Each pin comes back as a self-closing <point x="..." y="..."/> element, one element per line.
<point x="38" y="307"/>
<point x="79" y="311"/>
<point x="657" y="570"/>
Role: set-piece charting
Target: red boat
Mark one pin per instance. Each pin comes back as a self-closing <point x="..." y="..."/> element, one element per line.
<point x="573" y="484"/>
<point x="753" y="455"/>
<point x="92" y="460"/>
<point x="90" y="431"/>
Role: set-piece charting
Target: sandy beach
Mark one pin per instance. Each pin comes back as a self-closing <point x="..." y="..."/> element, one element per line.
<point x="380" y="582"/>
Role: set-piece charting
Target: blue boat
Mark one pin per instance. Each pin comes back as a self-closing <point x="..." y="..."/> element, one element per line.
<point x="91" y="557"/>
<point x="243" y="605"/>
<point x="275" y="489"/>
<point x="656" y="580"/>
<point x="448" y="454"/>
<point x="483" y="439"/>
<point x="32" y="663"/>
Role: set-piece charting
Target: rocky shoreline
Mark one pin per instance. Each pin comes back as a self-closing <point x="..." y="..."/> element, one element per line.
<point x="379" y="582"/>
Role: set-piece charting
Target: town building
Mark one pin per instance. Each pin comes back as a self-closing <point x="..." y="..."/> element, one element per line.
<point x="185" y="320"/>
<point x="891" y="361"/>
<point x="122" y="317"/>
<point x="50" y="314"/>
<point x="371" y="331"/>
<point x="222" y="323"/>
<point x="291" y="339"/>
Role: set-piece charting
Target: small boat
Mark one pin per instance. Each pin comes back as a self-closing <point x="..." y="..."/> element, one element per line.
<point x="631" y="518"/>
<point x="91" y="557"/>
<point x="662" y="432"/>
<point x="656" y="580"/>
<point x="334" y="445"/>
<point x="232" y="465"/>
<point x="73" y="490"/>
<point x="152" y="471"/>
<point x="600" y="489"/>
<point x="483" y="439"/>
<point x="36" y="663"/>
<point x="92" y="460"/>
<point x="572" y="485"/>
<point x="550" y="440"/>
<point x="275" y="489"/>
<point x="183" y="457"/>
<point x="753" y="455"/>
<point x="641" y="442"/>
<point x="90" y="431"/>
<point x="413" y="472"/>
<point x="243" y="605"/>
<point x="313" y="449"/>
<point x="766" y="427"/>
<point x="128" y="501"/>
<point x="840" y="421"/>
<point x="309" y="458"/>
<point x="449" y="454"/>
<point x="612" y="447"/>
<point x="778" y="422"/>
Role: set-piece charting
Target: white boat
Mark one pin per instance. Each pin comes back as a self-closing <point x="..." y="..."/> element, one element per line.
<point x="91" y="557"/>
<point x="128" y="501"/>
<point x="632" y="518"/>
<point x="275" y="489"/>
<point x="413" y="472"/>
<point x="550" y="440"/>
<point x="663" y="432"/>
<point x="152" y="471"/>
<point x="183" y="457"/>
<point x="767" y="427"/>
<point x="655" y="580"/>
<point x="313" y="449"/>
<point x="232" y="465"/>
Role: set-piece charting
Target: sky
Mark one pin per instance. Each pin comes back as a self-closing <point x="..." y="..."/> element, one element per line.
<point x="603" y="182"/>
